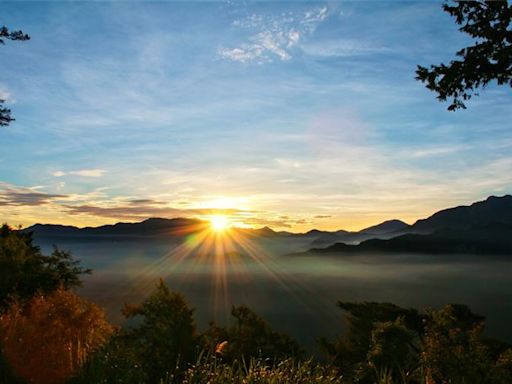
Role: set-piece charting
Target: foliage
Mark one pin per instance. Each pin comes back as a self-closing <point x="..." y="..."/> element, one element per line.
<point x="46" y="339"/>
<point x="116" y="362"/>
<point x="454" y="350"/>
<point x="5" y="34"/>
<point x="209" y="370"/>
<point x="165" y="341"/>
<point x="24" y="270"/>
<point x="489" y="59"/>
<point x="370" y="330"/>
<point x="392" y="350"/>
<point x="389" y="344"/>
<point x="250" y="337"/>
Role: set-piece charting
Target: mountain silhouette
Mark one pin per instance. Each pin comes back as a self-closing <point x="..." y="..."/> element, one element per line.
<point x="149" y="227"/>
<point x="484" y="227"/>
<point x="492" y="210"/>
<point x="387" y="227"/>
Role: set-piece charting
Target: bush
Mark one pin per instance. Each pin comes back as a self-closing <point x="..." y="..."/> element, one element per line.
<point x="46" y="339"/>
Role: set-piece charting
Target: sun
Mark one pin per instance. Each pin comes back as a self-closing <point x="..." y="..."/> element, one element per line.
<point x="219" y="223"/>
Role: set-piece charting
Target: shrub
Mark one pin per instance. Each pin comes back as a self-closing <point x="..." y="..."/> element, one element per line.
<point x="47" y="338"/>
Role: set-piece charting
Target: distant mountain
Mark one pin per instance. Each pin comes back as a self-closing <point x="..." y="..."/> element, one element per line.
<point x="149" y="227"/>
<point x="480" y="227"/>
<point x="492" y="210"/>
<point x="484" y="227"/>
<point x="159" y="227"/>
<point x="387" y="227"/>
<point x="492" y="239"/>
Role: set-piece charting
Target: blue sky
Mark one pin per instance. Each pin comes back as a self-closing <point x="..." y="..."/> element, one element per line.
<point x="290" y="114"/>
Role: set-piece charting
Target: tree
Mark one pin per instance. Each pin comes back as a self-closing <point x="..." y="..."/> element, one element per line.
<point x="370" y="325"/>
<point x="392" y="350"/>
<point x="454" y="350"/>
<point x="165" y="341"/>
<point x="5" y="34"/>
<point x="46" y="339"/>
<point x="489" y="59"/>
<point x="250" y="337"/>
<point x="389" y="344"/>
<point x="25" y="271"/>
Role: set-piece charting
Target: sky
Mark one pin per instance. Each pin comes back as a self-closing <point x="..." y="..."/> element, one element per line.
<point x="293" y="115"/>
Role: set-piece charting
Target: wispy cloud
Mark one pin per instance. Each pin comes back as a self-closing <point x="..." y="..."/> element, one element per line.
<point x="81" y="172"/>
<point x="273" y="36"/>
<point x="342" y="48"/>
<point x="6" y="95"/>
<point x="439" y="151"/>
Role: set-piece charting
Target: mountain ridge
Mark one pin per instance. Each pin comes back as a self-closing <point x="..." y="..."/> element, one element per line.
<point x="470" y="218"/>
<point x="484" y="227"/>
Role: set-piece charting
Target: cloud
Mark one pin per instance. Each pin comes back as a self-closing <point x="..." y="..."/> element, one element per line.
<point x="275" y="223"/>
<point x="5" y="95"/>
<point x="439" y="151"/>
<point x="26" y="197"/>
<point x="82" y="172"/>
<point x="242" y="55"/>
<point x="273" y="37"/>
<point x="145" y="208"/>
<point x="342" y="48"/>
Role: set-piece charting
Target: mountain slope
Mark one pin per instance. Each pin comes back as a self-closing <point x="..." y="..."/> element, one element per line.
<point x="492" y="239"/>
<point x="387" y="227"/>
<point x="484" y="227"/>
<point x="149" y="227"/>
<point x="492" y="210"/>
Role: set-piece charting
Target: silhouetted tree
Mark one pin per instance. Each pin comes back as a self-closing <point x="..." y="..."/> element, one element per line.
<point x="165" y="341"/>
<point x="489" y="59"/>
<point x="250" y="337"/>
<point x="389" y="344"/>
<point x="5" y="34"/>
<point x="24" y="270"/>
<point x="369" y="324"/>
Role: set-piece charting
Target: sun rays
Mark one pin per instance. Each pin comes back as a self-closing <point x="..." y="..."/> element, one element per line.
<point x="224" y="254"/>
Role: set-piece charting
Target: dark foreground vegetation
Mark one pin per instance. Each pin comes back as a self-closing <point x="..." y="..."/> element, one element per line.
<point x="49" y="334"/>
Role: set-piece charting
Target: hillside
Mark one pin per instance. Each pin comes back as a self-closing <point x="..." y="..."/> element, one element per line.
<point x="484" y="227"/>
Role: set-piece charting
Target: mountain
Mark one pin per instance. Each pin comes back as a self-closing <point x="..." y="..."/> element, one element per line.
<point x="484" y="227"/>
<point x="387" y="227"/>
<point x="160" y="227"/>
<point x="491" y="239"/>
<point x="492" y="210"/>
<point x="479" y="227"/>
<point x="149" y="227"/>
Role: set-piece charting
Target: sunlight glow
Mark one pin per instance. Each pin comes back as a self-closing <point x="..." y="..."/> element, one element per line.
<point x="219" y="223"/>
